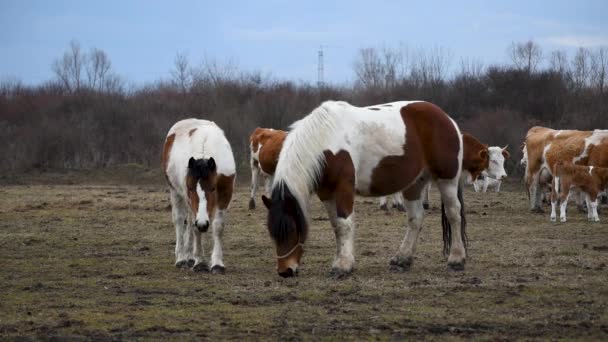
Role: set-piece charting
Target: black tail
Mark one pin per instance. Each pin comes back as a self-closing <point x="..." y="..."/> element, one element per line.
<point x="447" y="228"/>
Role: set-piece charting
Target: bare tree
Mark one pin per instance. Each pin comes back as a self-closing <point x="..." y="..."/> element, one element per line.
<point x="430" y="67"/>
<point x="182" y="76"/>
<point x="68" y="69"/>
<point x="526" y="56"/>
<point x="559" y="62"/>
<point x="472" y="68"/>
<point x="599" y="68"/>
<point x="98" y="68"/>
<point x="368" y="67"/>
<point x="214" y="72"/>
<point x="580" y="68"/>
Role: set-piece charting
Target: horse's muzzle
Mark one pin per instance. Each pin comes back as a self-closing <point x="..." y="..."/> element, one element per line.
<point x="202" y="227"/>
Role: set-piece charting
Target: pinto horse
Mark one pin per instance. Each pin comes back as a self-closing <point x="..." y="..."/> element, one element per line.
<point x="199" y="167"/>
<point x="264" y="146"/>
<point x="340" y="150"/>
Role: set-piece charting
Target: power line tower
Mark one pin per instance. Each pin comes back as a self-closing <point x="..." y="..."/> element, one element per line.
<point x="320" y="80"/>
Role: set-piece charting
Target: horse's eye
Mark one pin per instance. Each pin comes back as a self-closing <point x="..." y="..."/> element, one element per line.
<point x="212" y="189"/>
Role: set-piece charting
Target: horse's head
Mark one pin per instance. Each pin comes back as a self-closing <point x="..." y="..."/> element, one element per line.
<point x="287" y="227"/>
<point x="201" y="181"/>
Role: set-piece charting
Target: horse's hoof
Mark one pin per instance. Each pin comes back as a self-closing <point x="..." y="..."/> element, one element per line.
<point x="426" y="206"/>
<point x="384" y="207"/>
<point x="401" y="207"/>
<point x="400" y="264"/>
<point x="217" y="269"/>
<point x="200" y="267"/>
<point x="182" y="264"/>
<point x="251" y="204"/>
<point x="553" y="219"/>
<point x="456" y="266"/>
<point x="338" y="274"/>
<point x="190" y="263"/>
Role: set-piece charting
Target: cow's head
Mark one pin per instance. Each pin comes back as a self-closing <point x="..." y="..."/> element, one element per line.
<point x="496" y="168"/>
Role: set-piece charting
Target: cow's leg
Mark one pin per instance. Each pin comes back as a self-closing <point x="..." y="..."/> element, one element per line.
<point x="452" y="206"/>
<point x="564" y="196"/>
<point x="476" y="185"/>
<point x="383" y="203"/>
<point x="555" y="190"/>
<point x="486" y="182"/>
<point x="344" y="230"/>
<point x="398" y="201"/>
<point x="593" y="208"/>
<point x="217" y="256"/>
<point x="179" y="214"/>
<point x="255" y="177"/>
<point x="498" y="185"/>
<point x="535" y="194"/>
<point x="405" y="256"/>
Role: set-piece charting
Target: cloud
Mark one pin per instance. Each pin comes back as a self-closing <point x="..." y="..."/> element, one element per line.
<point x="579" y="40"/>
<point x="280" y="33"/>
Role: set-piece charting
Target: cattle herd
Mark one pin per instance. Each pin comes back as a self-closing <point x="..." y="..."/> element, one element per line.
<point x="393" y="151"/>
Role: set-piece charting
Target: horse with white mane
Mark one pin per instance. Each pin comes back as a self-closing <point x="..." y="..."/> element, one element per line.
<point x="199" y="167"/>
<point x="340" y="150"/>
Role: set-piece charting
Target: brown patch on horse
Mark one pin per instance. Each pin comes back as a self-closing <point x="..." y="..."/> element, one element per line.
<point x="224" y="188"/>
<point x="431" y="143"/>
<point x="191" y="132"/>
<point x="192" y="194"/>
<point x="338" y="182"/>
<point x="271" y="142"/>
<point x="475" y="156"/>
<point x="164" y="158"/>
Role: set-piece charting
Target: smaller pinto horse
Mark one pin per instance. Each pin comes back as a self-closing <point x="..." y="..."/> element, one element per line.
<point x="340" y="150"/>
<point x="199" y="167"/>
<point x="264" y="146"/>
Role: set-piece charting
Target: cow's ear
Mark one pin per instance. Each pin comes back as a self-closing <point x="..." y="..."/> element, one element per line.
<point x="506" y="153"/>
<point x="267" y="201"/>
<point x="483" y="154"/>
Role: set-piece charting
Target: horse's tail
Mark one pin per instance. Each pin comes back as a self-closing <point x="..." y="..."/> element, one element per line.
<point x="447" y="228"/>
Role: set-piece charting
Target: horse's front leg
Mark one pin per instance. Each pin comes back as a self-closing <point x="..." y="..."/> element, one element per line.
<point x="341" y="216"/>
<point x="217" y="256"/>
<point x="405" y="256"/>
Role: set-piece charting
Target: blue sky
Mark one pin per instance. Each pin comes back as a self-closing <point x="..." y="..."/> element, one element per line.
<point x="281" y="38"/>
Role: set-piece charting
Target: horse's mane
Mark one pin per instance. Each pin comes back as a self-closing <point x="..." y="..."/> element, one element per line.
<point x="283" y="210"/>
<point x="301" y="160"/>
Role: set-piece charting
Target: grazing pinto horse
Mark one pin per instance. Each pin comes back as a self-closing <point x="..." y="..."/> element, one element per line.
<point x="589" y="179"/>
<point x="340" y="150"/>
<point x="199" y="166"/>
<point x="265" y="145"/>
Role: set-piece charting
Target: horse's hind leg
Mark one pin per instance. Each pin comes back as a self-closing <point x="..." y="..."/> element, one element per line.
<point x="449" y="197"/>
<point x="255" y="177"/>
<point x="405" y="256"/>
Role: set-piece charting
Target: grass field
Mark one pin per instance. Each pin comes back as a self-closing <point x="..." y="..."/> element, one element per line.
<point x="96" y="261"/>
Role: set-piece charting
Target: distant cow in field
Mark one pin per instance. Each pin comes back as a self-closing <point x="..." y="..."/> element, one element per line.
<point x="265" y="145"/>
<point x="545" y="147"/>
<point x="589" y="179"/>
<point x="199" y="167"/>
<point x="477" y="158"/>
<point x="498" y="155"/>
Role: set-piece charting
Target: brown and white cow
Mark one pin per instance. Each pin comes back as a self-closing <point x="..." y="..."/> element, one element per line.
<point x="590" y="180"/>
<point x="264" y="146"/>
<point x="544" y="147"/>
<point x="199" y="167"/>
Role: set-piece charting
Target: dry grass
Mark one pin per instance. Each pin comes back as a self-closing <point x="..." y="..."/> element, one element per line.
<point x="96" y="261"/>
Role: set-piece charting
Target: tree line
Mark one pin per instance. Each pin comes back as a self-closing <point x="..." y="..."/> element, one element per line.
<point x="87" y="118"/>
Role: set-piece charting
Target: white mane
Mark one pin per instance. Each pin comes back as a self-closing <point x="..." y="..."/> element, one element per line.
<point x="301" y="160"/>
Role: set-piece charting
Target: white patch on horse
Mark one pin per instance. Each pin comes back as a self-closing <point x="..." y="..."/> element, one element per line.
<point x="202" y="217"/>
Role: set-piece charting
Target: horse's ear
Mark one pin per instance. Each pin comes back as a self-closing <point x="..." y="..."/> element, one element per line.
<point x="192" y="163"/>
<point x="211" y="164"/>
<point x="267" y="201"/>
